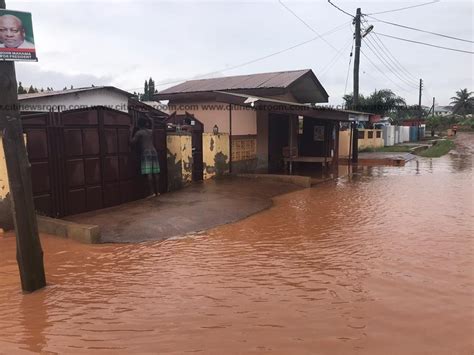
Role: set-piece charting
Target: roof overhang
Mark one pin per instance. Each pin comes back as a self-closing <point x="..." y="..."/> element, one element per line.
<point x="280" y="106"/>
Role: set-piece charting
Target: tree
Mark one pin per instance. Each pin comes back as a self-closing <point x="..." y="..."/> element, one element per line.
<point x="463" y="102"/>
<point x="379" y="102"/>
<point x="151" y="88"/>
<point x="148" y="90"/>
<point x="31" y="90"/>
<point x="146" y="93"/>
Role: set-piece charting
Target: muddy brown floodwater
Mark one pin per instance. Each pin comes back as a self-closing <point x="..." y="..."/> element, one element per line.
<point x="379" y="263"/>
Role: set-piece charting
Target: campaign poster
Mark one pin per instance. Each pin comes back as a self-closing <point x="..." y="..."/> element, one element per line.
<point x="17" y="42"/>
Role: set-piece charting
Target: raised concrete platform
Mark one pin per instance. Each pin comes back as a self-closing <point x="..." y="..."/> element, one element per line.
<point x="198" y="207"/>
<point x="83" y="233"/>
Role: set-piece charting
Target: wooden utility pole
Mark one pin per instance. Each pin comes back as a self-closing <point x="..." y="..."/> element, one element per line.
<point x="432" y="114"/>
<point x="355" y="94"/>
<point x="29" y="253"/>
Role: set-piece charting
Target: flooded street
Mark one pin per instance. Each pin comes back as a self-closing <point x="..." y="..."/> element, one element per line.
<point x="382" y="262"/>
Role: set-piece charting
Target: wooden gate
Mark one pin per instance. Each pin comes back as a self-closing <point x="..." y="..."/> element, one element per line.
<point x="82" y="161"/>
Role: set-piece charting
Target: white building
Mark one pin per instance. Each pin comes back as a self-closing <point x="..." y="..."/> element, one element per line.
<point x="73" y="99"/>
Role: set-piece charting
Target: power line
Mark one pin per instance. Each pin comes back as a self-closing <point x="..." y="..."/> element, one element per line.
<point x="306" y="24"/>
<point x="376" y="67"/>
<point x="337" y="7"/>
<point x="404" y="8"/>
<point x="420" y="30"/>
<point x="390" y="54"/>
<point x="425" y="44"/>
<point x="380" y="44"/>
<point x="335" y="59"/>
<point x="348" y="69"/>
<point x="389" y="66"/>
<point x="335" y="29"/>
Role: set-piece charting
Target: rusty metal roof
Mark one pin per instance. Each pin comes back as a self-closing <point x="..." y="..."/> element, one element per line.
<point x="254" y="81"/>
<point x="303" y="84"/>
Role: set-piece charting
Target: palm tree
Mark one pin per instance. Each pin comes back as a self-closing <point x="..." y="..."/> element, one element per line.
<point x="463" y="102"/>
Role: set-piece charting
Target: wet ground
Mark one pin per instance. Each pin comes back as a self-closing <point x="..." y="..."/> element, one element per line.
<point x="200" y="206"/>
<point x="378" y="263"/>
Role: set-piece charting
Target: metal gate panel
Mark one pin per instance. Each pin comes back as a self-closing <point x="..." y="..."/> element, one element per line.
<point x="37" y="145"/>
<point x="82" y="161"/>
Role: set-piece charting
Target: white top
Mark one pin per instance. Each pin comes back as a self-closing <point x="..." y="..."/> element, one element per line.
<point x="25" y="44"/>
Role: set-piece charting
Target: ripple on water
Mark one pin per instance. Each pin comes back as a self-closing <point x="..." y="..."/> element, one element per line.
<point x="369" y="262"/>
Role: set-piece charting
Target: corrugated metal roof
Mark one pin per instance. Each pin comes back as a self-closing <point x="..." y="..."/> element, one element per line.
<point x="254" y="81"/>
<point x="70" y="91"/>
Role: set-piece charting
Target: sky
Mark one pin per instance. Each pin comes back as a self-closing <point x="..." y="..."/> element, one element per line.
<point x="124" y="42"/>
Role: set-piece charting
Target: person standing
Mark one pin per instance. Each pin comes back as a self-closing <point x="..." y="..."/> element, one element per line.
<point x="150" y="165"/>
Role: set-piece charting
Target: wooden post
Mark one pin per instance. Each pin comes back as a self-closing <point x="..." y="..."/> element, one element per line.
<point x="29" y="252"/>
<point x="355" y="94"/>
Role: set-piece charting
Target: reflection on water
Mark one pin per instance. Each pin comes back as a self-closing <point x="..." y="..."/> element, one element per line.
<point x="379" y="261"/>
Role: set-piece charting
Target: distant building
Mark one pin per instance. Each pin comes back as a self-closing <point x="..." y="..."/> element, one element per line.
<point x="443" y="110"/>
<point x="271" y="118"/>
<point x="72" y="99"/>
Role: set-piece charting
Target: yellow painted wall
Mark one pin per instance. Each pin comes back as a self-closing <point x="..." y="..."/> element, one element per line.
<point x="373" y="142"/>
<point x="4" y="188"/>
<point x="215" y="154"/>
<point x="180" y="160"/>
<point x="345" y="141"/>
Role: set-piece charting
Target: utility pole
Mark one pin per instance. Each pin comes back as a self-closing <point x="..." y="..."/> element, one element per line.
<point x="355" y="94"/>
<point x="432" y="114"/>
<point x="420" y="109"/>
<point x="29" y="253"/>
<point x="419" y="99"/>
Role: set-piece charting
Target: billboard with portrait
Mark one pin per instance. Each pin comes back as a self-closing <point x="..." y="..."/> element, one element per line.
<point x="17" y="42"/>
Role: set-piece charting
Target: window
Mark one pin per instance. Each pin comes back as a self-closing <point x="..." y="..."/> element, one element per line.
<point x="361" y="134"/>
<point x="378" y="134"/>
<point x="244" y="149"/>
<point x="370" y="134"/>
<point x="300" y="124"/>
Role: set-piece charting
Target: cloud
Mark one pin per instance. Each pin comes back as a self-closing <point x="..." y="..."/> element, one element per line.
<point x="29" y="74"/>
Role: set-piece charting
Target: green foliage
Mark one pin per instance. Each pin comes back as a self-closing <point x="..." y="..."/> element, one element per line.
<point x="463" y="102"/>
<point x="439" y="149"/>
<point x="148" y="90"/>
<point x="379" y="102"/>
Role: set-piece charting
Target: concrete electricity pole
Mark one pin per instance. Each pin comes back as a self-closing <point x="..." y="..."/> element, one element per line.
<point x="419" y="99"/>
<point x="29" y="252"/>
<point x="420" y="109"/>
<point x="355" y="95"/>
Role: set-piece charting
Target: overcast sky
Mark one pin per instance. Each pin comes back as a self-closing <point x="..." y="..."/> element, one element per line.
<point x="122" y="43"/>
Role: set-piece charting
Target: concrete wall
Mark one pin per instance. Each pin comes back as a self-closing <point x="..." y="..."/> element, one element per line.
<point x="244" y="119"/>
<point x="373" y="142"/>
<point x="6" y="222"/>
<point x="180" y="160"/>
<point x="365" y="143"/>
<point x="215" y="154"/>
<point x="77" y="100"/>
